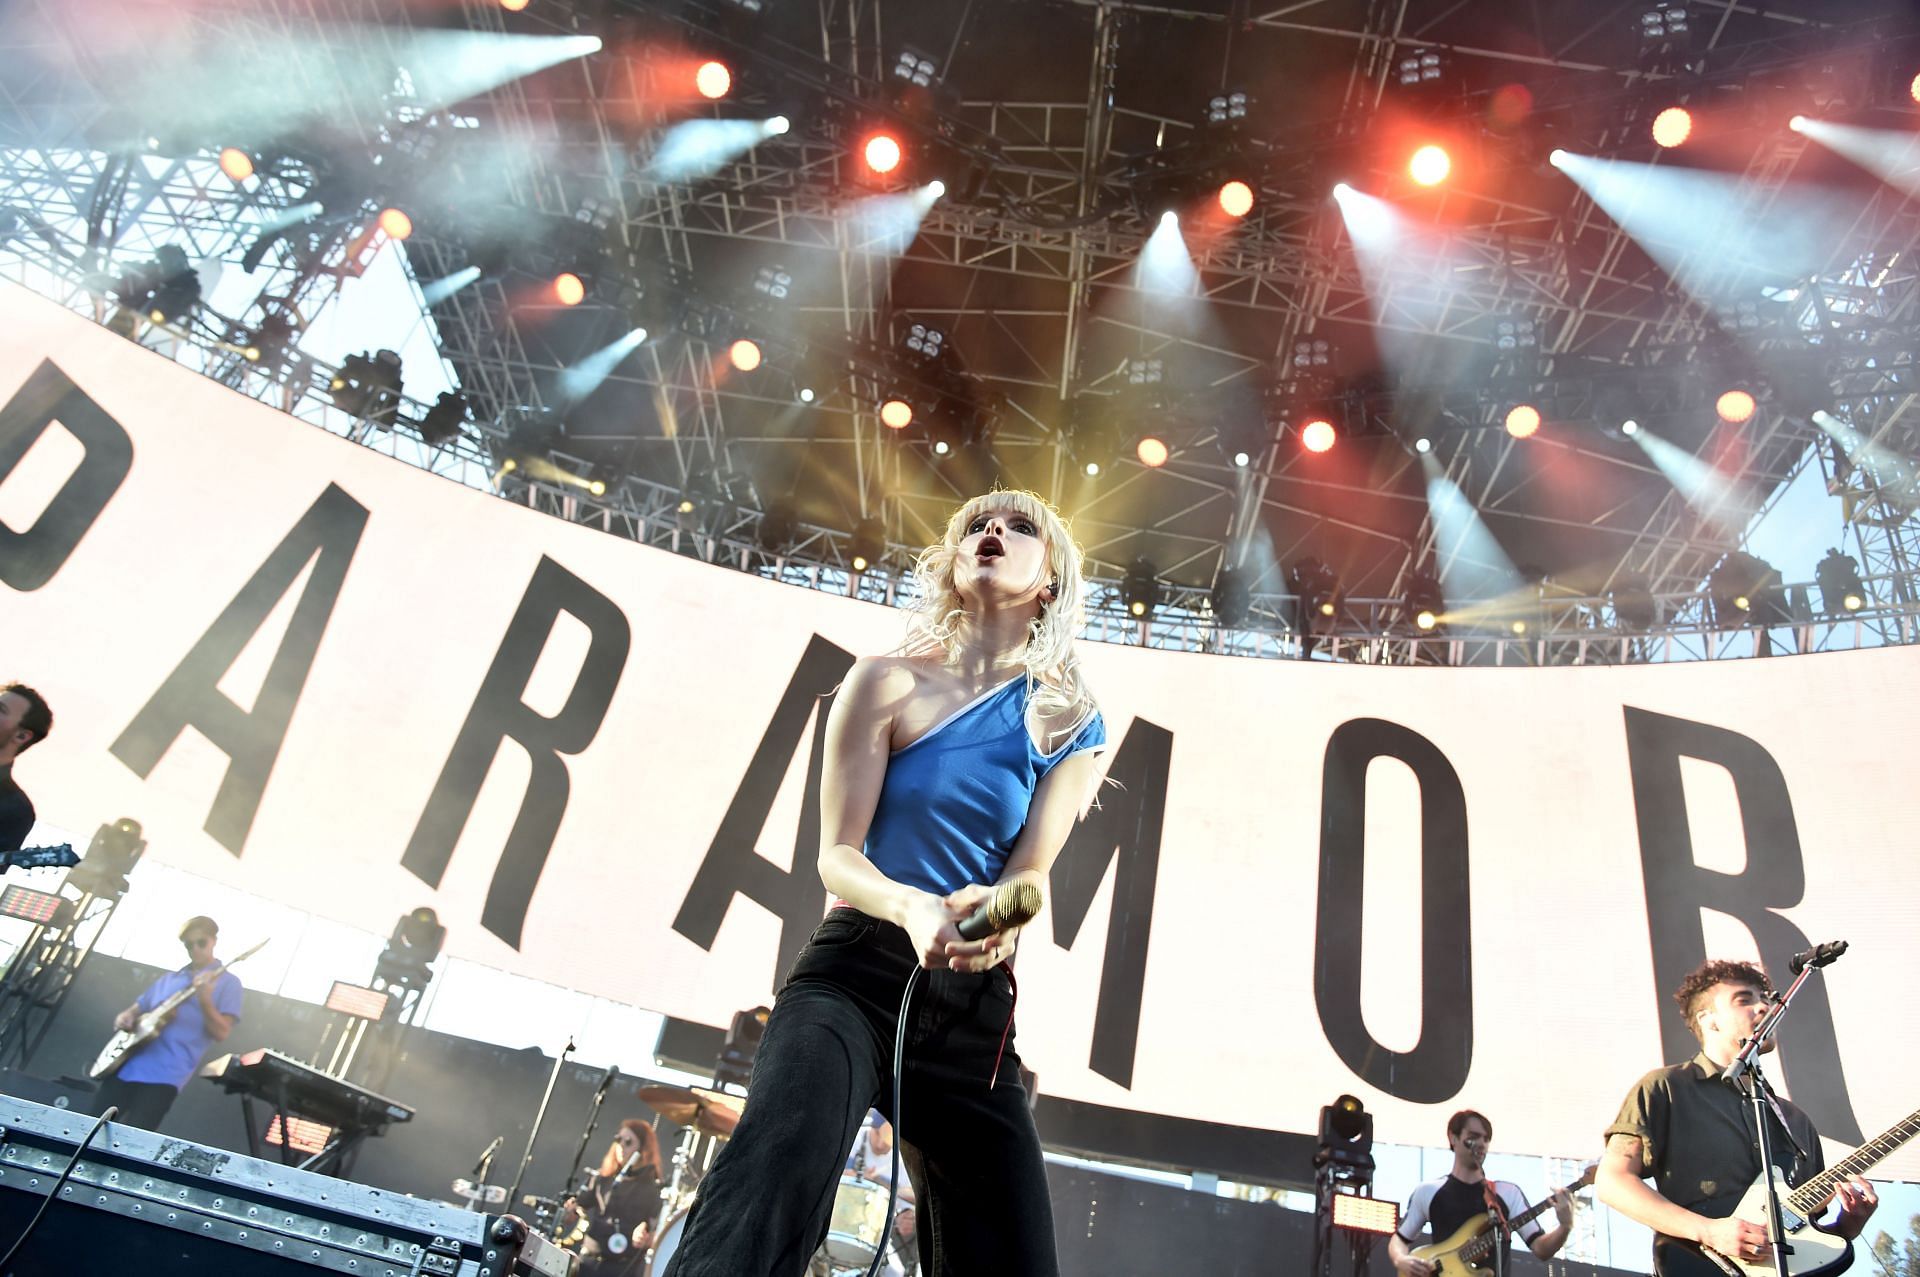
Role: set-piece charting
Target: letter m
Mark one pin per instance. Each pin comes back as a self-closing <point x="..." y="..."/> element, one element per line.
<point x="1124" y="828"/>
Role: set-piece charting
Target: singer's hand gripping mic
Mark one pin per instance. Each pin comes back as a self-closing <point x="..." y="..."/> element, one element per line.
<point x="1013" y="903"/>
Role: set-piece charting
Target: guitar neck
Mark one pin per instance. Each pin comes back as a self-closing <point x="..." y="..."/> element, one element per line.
<point x="1810" y="1196"/>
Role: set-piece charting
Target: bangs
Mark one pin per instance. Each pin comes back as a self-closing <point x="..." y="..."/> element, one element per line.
<point x="1029" y="504"/>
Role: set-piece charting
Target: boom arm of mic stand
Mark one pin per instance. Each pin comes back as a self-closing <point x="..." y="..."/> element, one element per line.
<point x="593" y="1120"/>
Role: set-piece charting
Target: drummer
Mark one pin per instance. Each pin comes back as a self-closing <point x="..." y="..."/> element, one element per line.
<point x="872" y="1154"/>
<point x="872" y="1159"/>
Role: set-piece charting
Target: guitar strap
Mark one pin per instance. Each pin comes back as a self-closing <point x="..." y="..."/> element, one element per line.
<point x="1495" y="1206"/>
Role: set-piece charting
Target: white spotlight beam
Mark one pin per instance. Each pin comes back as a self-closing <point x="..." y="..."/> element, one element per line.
<point x="1893" y="157"/>
<point x="581" y="380"/>
<point x="1704" y="228"/>
<point x="1711" y="493"/>
<point x="274" y="85"/>
<point x="1888" y="467"/>
<point x="1474" y="570"/>
<point x="693" y="149"/>
<point x="440" y="289"/>
<point x="1413" y="278"/>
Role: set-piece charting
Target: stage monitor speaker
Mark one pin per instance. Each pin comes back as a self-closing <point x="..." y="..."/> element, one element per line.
<point x="145" y="1203"/>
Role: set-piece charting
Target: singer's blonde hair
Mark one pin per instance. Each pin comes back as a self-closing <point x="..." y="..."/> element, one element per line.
<point x="1059" y="692"/>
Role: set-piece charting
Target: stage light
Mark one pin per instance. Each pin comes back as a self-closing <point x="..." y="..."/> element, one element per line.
<point x="1341" y="190"/>
<point x="1629" y="427"/>
<point x="1841" y="589"/>
<point x="1672" y="126"/>
<point x="1243" y="459"/>
<point x="236" y="163"/>
<point x="915" y="68"/>
<point x="395" y="223"/>
<point x="686" y="505"/>
<point x="941" y="447"/>
<point x="569" y="289"/>
<point x="1425" y="620"/>
<point x="806" y="394"/>
<point x="1170" y="219"/>
<point x="598" y="487"/>
<point x="1913" y="88"/>
<point x="936" y="189"/>
<point x="1557" y="157"/>
<point x="773" y="282"/>
<point x="744" y="354"/>
<point x="867" y="544"/>
<point x="896" y="414"/>
<point x="1144" y="371"/>
<point x="1523" y="420"/>
<point x="925" y="341"/>
<point x="29" y="905"/>
<point x="513" y="6"/>
<point x="881" y="152"/>
<point x="1519" y="627"/>
<point x="713" y="80"/>
<point x="1310" y="353"/>
<point x="1430" y="165"/>
<point x="1317" y="435"/>
<point x="1236" y="199"/>
<point x="1228" y="108"/>
<point x="1734" y="407"/>
<point x="1091" y="469"/>
<point x="443" y="421"/>
<point x="1423" y="445"/>
<point x="1365" y="1214"/>
<point x="777" y="125"/>
<point x="1232" y="598"/>
<point x="1140" y="588"/>
<point x="1152" y="452"/>
<point x="1346" y="1141"/>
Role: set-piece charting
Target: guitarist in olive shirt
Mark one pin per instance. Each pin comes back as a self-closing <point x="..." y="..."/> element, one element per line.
<point x="25" y="721"/>
<point x="1462" y="1194"/>
<point x="1689" y="1131"/>
<point x="145" y="1086"/>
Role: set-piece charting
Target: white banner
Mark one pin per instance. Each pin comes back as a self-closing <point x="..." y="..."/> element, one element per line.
<point x="343" y="683"/>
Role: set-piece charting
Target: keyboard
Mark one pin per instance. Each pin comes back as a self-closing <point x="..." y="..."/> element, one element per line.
<point x="304" y="1091"/>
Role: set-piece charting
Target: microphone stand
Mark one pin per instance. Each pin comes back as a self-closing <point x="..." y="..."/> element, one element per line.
<point x="1745" y="1074"/>
<point x="539" y="1120"/>
<point x="593" y="1120"/>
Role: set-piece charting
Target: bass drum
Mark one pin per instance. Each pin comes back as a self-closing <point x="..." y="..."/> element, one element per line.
<point x="669" y="1242"/>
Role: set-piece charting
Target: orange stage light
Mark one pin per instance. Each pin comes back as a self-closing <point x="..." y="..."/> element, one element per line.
<point x="1430" y="165"/>
<point x="713" y="80"/>
<point x="1913" y="90"/>
<point x="881" y="152"/>
<point x="1523" y="420"/>
<point x="744" y="354"/>
<point x="1734" y="407"/>
<point x="1152" y="452"/>
<point x="569" y="289"/>
<point x="1236" y="199"/>
<point x="513" y="6"/>
<point x="1317" y="435"/>
<point x="896" y="414"/>
<point x="1673" y="126"/>
<point x="395" y="223"/>
<point x="236" y="163"/>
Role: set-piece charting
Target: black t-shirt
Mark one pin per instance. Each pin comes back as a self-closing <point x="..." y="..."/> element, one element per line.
<point x="16" y="812"/>
<point x="632" y="1202"/>
<point x="1446" y="1203"/>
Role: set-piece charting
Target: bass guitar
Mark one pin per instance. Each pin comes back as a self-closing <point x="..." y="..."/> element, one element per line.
<point x="125" y="1042"/>
<point x="1465" y="1253"/>
<point x="1810" y="1252"/>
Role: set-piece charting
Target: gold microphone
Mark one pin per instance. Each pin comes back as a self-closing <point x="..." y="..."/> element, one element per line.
<point x="1013" y="903"/>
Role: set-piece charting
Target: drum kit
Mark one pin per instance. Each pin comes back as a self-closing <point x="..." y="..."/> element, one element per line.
<point x="857" y="1228"/>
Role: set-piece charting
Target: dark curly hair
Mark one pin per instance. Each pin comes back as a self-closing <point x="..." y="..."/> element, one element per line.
<point x="1692" y="993"/>
<point x="38" y="719"/>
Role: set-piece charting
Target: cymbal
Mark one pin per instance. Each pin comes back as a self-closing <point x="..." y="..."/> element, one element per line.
<point x="709" y="1112"/>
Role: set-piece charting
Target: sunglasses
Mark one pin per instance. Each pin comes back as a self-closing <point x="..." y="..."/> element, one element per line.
<point x="198" y="942"/>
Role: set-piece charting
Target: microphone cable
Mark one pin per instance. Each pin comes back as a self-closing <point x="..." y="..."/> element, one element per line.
<point x="893" y="1174"/>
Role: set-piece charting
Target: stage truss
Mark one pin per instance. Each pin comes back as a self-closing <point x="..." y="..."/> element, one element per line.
<point x="77" y="211"/>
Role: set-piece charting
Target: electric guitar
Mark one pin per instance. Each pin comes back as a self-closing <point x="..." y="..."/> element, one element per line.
<point x="125" y="1042"/>
<point x="61" y="857"/>
<point x="1465" y="1253"/>
<point x="1810" y="1252"/>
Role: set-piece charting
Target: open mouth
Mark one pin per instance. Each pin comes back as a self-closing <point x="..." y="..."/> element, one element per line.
<point x="989" y="548"/>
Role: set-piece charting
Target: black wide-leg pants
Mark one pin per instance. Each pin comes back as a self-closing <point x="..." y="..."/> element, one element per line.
<point x="826" y="1058"/>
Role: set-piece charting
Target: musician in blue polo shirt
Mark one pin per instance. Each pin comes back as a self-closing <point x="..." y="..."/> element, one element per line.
<point x="145" y="1086"/>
